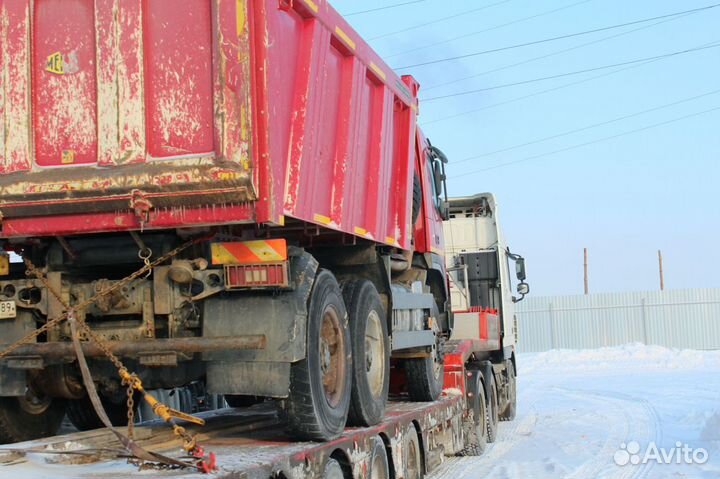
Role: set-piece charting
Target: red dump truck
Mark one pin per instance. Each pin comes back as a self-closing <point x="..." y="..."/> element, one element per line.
<point x="234" y="192"/>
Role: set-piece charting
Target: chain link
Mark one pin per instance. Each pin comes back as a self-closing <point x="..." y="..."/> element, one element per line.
<point x="131" y="412"/>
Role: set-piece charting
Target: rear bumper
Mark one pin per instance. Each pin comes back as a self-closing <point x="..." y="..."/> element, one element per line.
<point x="64" y="350"/>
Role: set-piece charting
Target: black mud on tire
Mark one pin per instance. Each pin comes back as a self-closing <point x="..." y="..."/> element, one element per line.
<point x="370" y="352"/>
<point x="319" y="399"/>
<point x="18" y="424"/>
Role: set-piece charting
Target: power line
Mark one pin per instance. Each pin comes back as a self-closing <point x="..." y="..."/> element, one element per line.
<point x="577" y="72"/>
<point x="545" y="40"/>
<point x="588" y="143"/>
<point x="438" y="20"/>
<point x="588" y="127"/>
<point x="541" y="92"/>
<point x="548" y="90"/>
<point x="558" y="52"/>
<point x="386" y="7"/>
<point x="496" y="27"/>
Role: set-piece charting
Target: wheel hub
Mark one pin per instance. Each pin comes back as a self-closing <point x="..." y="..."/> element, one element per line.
<point x="332" y="356"/>
<point x="375" y="353"/>
<point x="34" y="403"/>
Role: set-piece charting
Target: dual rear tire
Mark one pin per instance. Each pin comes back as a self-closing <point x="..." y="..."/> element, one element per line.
<point x="319" y="398"/>
<point x="345" y="376"/>
<point x="29" y="417"/>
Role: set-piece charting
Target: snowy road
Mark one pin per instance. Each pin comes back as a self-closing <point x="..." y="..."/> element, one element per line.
<point x="576" y="409"/>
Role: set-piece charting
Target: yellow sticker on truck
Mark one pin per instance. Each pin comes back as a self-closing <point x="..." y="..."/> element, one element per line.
<point x="249" y="252"/>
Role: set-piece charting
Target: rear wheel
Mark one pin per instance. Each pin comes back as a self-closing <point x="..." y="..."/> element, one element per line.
<point x="475" y="427"/>
<point x="510" y="410"/>
<point x="83" y="416"/>
<point x="320" y="384"/>
<point x="492" y="414"/>
<point x="370" y="352"/>
<point x="29" y="417"/>
<point x="425" y="375"/>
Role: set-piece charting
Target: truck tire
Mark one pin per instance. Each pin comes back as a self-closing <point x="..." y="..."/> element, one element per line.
<point x="333" y="470"/>
<point x="492" y="409"/>
<point x="27" y="418"/>
<point x="379" y="465"/>
<point x="83" y="416"/>
<point x="319" y="399"/>
<point x="413" y="466"/>
<point x="370" y="352"/>
<point x="508" y="414"/>
<point x="425" y="375"/>
<point x="475" y="427"/>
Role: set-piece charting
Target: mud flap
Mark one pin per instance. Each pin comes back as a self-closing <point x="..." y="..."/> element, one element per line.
<point x="279" y="315"/>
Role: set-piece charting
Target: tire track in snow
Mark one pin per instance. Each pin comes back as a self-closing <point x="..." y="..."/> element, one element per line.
<point x="650" y="421"/>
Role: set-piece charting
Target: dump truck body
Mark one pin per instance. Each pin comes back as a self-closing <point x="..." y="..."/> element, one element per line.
<point x="128" y="115"/>
<point x="230" y="191"/>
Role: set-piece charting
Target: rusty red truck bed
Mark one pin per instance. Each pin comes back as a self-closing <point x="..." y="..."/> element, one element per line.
<point x="119" y="115"/>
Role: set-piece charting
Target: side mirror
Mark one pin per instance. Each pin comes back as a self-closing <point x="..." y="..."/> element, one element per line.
<point x="522" y="289"/>
<point x="520" y="269"/>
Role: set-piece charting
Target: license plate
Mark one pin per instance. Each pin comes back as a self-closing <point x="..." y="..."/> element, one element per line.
<point x="7" y="310"/>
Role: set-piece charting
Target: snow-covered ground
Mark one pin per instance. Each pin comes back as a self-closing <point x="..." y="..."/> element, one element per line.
<point x="580" y="412"/>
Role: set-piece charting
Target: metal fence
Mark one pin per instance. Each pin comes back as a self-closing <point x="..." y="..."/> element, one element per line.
<point x="688" y="319"/>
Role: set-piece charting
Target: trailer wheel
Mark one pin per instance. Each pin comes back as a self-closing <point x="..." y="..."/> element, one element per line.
<point x="412" y="454"/>
<point x="425" y="375"/>
<point x="370" y="352"/>
<point x="492" y="415"/>
<point x="475" y="428"/>
<point x="29" y="417"/>
<point x="510" y="410"/>
<point x="333" y="470"/>
<point x="319" y="399"/>
<point x="379" y="465"/>
<point x="83" y="416"/>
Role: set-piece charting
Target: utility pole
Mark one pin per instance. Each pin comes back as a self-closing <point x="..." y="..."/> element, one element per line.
<point x="662" y="276"/>
<point x="585" y="264"/>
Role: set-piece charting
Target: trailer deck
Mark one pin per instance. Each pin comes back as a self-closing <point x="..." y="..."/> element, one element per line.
<point x="249" y="443"/>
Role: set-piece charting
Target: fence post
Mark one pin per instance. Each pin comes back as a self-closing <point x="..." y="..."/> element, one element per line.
<point x="553" y="333"/>
<point x="644" y="320"/>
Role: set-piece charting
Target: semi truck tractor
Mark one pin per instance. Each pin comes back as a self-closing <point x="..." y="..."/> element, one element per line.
<point x="234" y="192"/>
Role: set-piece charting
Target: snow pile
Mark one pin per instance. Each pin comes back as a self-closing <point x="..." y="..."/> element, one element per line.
<point x="634" y="356"/>
<point x="582" y="413"/>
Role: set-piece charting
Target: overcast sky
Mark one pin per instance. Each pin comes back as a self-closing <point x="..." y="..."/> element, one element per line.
<point x="623" y="198"/>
